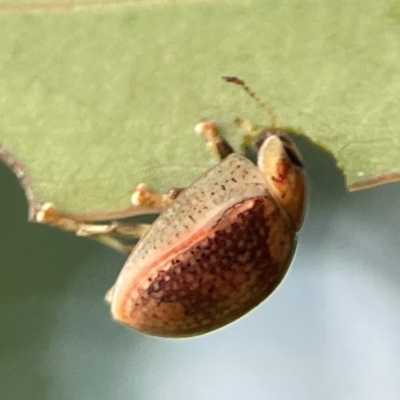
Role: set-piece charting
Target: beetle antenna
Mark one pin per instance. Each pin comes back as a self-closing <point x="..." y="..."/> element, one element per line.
<point x="251" y="93"/>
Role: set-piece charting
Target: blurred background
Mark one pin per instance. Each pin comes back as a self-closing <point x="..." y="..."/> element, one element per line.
<point x="330" y="331"/>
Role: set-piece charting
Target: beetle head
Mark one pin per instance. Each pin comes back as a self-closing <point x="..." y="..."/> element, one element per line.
<point x="280" y="162"/>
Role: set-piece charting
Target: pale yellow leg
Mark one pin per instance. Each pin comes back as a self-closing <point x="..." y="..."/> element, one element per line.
<point x="104" y="233"/>
<point x="214" y="141"/>
<point x="108" y="233"/>
<point x="143" y="196"/>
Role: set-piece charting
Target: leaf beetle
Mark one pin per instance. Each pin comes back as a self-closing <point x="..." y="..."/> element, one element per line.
<point x="219" y="247"/>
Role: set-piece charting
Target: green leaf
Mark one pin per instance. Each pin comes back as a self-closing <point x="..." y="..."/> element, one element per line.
<point x="98" y="97"/>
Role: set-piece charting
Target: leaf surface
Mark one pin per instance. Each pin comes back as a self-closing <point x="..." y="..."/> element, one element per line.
<point x="98" y="96"/>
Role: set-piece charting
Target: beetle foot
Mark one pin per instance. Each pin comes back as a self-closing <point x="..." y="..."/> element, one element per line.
<point x="144" y="196"/>
<point x="47" y="214"/>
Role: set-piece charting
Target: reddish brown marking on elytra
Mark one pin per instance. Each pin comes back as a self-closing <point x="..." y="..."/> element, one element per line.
<point x="221" y="277"/>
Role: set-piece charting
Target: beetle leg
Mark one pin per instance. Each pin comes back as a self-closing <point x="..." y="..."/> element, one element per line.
<point x="104" y="233"/>
<point x="115" y="244"/>
<point x="215" y="142"/>
<point x="144" y="196"/>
